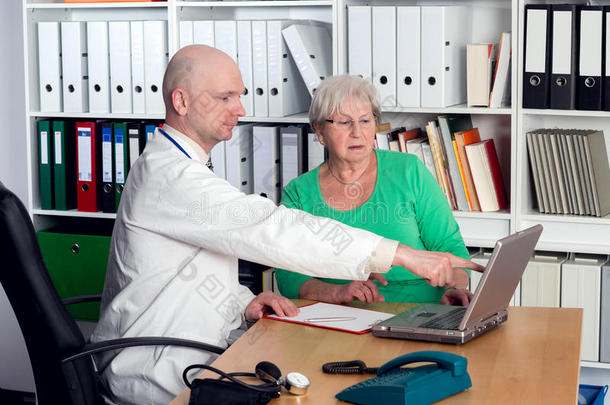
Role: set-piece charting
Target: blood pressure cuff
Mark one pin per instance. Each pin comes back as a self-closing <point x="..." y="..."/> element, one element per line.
<point x="209" y="391"/>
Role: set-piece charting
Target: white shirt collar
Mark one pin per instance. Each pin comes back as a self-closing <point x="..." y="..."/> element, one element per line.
<point x="192" y="145"/>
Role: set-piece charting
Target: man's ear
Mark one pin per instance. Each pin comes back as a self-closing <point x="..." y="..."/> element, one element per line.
<point x="180" y="101"/>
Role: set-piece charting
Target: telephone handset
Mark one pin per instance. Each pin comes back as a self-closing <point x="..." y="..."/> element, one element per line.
<point x="412" y="386"/>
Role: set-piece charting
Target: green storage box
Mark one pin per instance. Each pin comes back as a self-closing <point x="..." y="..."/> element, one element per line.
<point x="77" y="266"/>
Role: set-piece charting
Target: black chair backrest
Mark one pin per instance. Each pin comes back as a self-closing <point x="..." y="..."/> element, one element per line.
<point x="49" y="331"/>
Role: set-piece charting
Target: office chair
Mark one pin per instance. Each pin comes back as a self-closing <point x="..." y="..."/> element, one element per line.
<point x="62" y="361"/>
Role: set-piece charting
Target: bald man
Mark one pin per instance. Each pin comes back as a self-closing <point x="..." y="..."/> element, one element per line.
<point x="179" y="231"/>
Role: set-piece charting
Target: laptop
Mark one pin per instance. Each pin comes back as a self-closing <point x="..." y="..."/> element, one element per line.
<point x="457" y="325"/>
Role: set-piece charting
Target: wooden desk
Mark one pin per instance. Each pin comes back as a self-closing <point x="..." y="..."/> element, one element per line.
<point x="533" y="358"/>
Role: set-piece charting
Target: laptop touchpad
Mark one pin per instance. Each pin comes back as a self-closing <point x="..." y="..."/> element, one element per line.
<point x="427" y="314"/>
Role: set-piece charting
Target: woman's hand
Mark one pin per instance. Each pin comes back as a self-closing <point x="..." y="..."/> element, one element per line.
<point x="456" y="296"/>
<point x="437" y="268"/>
<point x="365" y="291"/>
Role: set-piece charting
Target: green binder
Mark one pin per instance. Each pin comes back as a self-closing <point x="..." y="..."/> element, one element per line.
<point x="121" y="160"/>
<point x="45" y="164"/>
<point x="64" y="170"/>
<point x="77" y="266"/>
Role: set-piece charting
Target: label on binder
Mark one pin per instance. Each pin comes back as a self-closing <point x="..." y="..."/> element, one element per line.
<point x="58" y="147"/>
<point x="120" y="158"/>
<point x="107" y="155"/>
<point x="44" y="149"/>
<point x="84" y="154"/>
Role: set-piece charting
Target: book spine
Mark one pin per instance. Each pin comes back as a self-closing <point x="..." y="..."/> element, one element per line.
<point x="461" y="169"/>
<point x="496" y="173"/>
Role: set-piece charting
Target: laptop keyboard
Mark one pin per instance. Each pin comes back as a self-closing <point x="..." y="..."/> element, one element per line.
<point x="449" y="320"/>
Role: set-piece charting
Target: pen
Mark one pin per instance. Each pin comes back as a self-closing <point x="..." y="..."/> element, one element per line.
<point x="332" y="319"/>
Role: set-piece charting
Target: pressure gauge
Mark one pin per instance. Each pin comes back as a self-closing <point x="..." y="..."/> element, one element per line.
<point x="296" y="383"/>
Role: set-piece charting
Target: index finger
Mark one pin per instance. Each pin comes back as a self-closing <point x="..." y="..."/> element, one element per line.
<point x="289" y="308"/>
<point x="460" y="262"/>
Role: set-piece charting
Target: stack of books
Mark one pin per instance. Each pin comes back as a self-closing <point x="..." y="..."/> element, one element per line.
<point x="570" y="171"/>
<point x="466" y="167"/>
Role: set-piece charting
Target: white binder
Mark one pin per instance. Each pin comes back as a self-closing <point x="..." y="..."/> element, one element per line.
<point x="482" y="258"/>
<point x="359" y="41"/>
<point x="408" y="52"/>
<point x="99" y="75"/>
<point x="120" y="66"/>
<point x="604" y="334"/>
<point x="225" y="37"/>
<point x="155" y="61"/>
<point x="244" y="61"/>
<point x="443" y="58"/>
<point x="239" y="158"/>
<point x="581" y="288"/>
<point x="315" y="151"/>
<point x="311" y="48"/>
<point x="74" y="66"/>
<point x="49" y="67"/>
<point x="287" y="92"/>
<point x="203" y="32"/>
<point x="138" y="96"/>
<point x="266" y="161"/>
<point x="259" y="71"/>
<point x="541" y="281"/>
<point x="186" y="33"/>
<point x="384" y="54"/>
<point x="291" y="152"/>
<point x="217" y="156"/>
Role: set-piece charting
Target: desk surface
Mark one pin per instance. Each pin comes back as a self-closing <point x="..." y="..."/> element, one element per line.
<point x="534" y="357"/>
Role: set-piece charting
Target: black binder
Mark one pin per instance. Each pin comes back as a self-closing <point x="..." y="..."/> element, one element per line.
<point x="136" y="136"/>
<point x="606" y="64"/>
<point x="536" y="73"/>
<point x="107" y="172"/>
<point x="589" y="84"/>
<point x="564" y="54"/>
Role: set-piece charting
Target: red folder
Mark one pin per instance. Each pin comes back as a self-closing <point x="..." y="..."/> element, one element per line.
<point x="496" y="173"/>
<point x="87" y="195"/>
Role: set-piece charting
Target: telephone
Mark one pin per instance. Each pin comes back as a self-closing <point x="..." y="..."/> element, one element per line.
<point x="412" y="386"/>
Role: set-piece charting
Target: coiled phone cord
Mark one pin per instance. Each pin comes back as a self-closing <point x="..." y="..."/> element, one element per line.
<point x="348" y="367"/>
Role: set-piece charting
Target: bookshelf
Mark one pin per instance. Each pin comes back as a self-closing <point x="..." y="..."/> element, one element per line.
<point x="507" y="125"/>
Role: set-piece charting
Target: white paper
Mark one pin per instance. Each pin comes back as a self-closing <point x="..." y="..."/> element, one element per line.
<point x="84" y="154"/>
<point x="364" y="318"/>
<point x="44" y="148"/>
<point x="57" y="147"/>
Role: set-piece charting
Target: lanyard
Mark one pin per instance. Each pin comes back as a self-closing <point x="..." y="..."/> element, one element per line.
<point x="174" y="142"/>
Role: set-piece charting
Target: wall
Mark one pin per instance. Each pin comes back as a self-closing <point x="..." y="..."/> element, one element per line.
<point x="15" y="372"/>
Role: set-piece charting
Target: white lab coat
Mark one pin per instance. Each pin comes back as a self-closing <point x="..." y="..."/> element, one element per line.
<point x="173" y="270"/>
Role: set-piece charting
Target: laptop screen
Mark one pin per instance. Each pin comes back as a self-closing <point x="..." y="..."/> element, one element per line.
<point x="502" y="274"/>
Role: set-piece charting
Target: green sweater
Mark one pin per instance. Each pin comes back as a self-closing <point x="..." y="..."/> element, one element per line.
<point x="407" y="205"/>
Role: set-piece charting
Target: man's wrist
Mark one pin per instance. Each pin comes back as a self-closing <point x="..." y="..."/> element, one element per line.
<point x="401" y="256"/>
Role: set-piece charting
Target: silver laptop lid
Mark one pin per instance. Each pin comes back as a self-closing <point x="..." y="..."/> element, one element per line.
<point x="502" y="275"/>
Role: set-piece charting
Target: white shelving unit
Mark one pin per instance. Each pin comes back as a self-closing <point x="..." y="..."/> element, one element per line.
<point x="507" y="126"/>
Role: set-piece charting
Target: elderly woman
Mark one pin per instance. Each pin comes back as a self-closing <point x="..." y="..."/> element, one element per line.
<point x="389" y="193"/>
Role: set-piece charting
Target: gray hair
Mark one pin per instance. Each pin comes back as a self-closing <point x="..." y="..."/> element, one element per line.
<point x="334" y="91"/>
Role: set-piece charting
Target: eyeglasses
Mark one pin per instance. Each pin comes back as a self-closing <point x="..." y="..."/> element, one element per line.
<point x="365" y="122"/>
